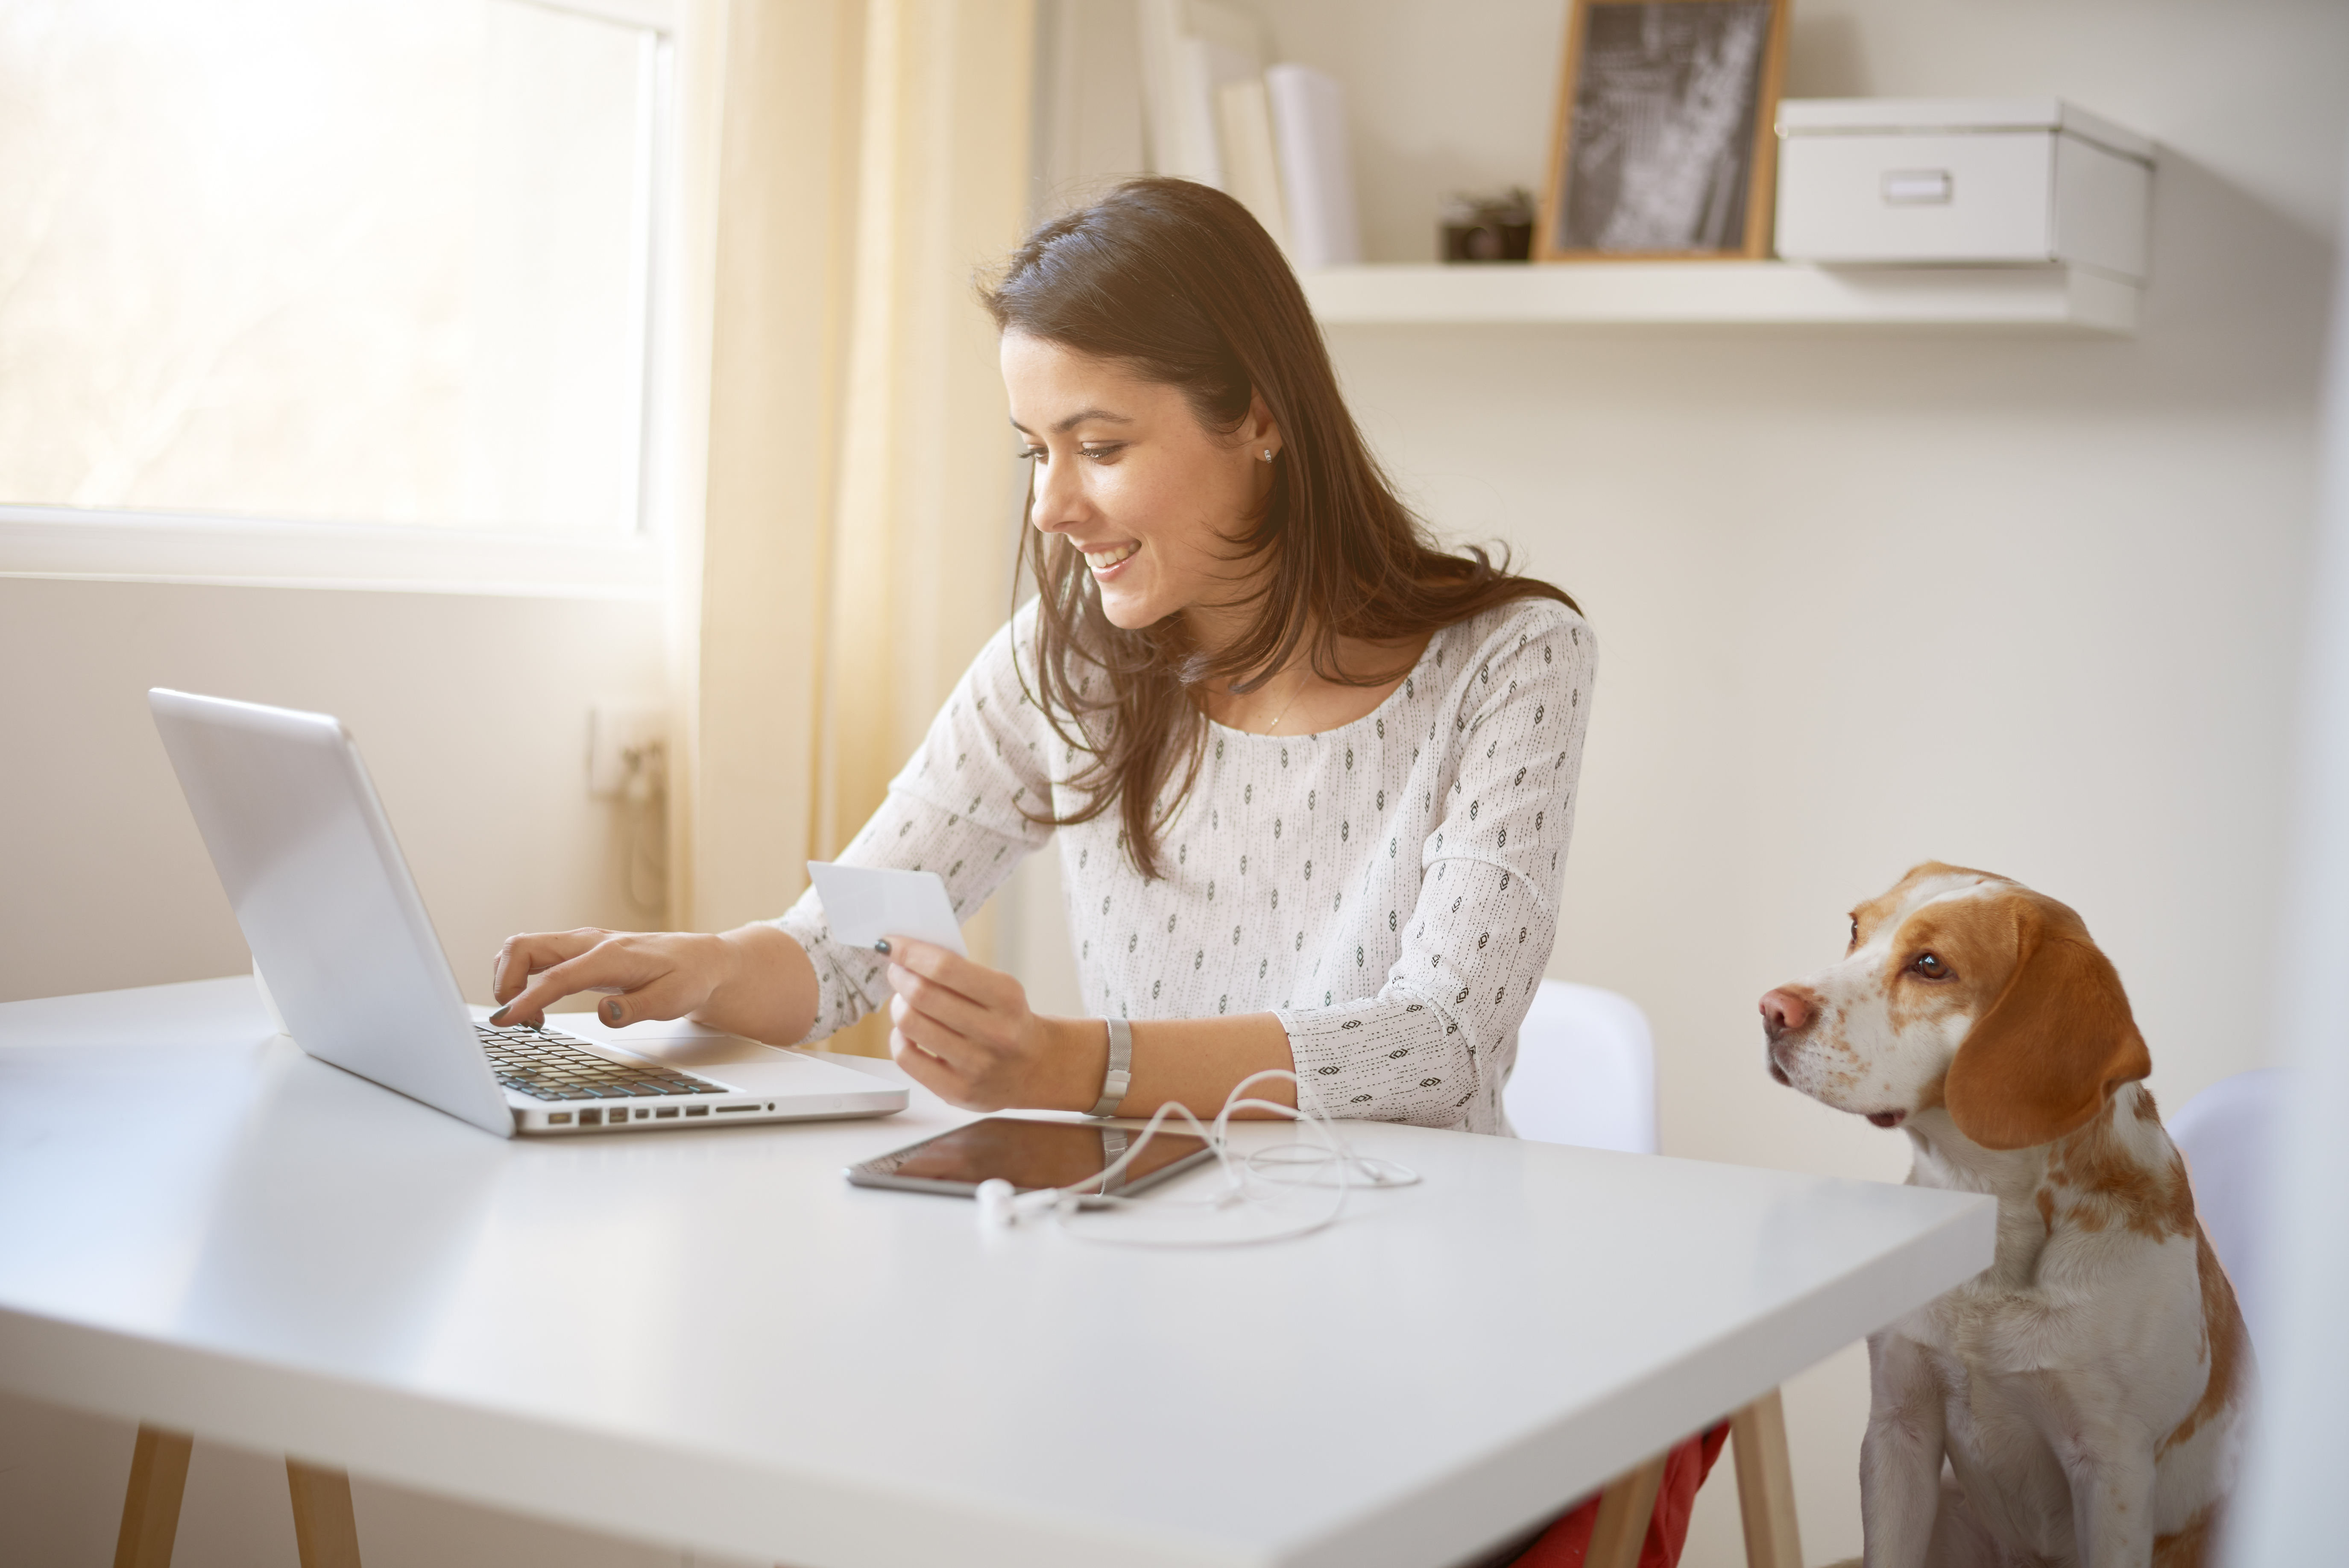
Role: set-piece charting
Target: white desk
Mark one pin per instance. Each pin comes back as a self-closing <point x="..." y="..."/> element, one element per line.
<point x="710" y="1339"/>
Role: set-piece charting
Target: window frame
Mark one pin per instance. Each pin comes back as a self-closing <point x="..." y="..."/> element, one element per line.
<point x="232" y="549"/>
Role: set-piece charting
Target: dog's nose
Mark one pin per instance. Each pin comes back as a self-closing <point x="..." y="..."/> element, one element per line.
<point x="1784" y="1011"/>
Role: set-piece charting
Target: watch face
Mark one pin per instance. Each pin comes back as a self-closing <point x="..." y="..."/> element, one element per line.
<point x="1031" y="1155"/>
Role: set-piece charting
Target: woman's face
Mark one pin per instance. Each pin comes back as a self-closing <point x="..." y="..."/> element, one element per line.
<point x="1126" y="472"/>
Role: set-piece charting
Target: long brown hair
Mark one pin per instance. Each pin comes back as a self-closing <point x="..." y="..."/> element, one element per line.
<point x="1178" y="285"/>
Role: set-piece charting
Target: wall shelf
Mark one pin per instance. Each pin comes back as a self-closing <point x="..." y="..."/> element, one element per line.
<point x="2055" y="300"/>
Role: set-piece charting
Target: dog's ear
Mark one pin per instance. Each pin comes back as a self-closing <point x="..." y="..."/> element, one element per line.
<point x="2059" y="1038"/>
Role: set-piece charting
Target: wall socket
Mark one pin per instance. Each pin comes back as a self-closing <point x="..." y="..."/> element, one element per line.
<point x="614" y="729"/>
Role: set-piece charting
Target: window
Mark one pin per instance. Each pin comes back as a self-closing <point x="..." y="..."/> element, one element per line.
<point x="370" y="262"/>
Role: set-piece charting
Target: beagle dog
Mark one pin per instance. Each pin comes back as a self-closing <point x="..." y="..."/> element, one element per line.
<point x="2090" y="1392"/>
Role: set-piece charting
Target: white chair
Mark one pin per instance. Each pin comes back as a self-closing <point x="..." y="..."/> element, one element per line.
<point x="1586" y="1074"/>
<point x="1586" y="1071"/>
<point x="2226" y="1132"/>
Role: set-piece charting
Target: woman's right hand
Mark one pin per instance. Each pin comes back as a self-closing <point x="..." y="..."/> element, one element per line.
<point x="648" y="974"/>
<point x="752" y="981"/>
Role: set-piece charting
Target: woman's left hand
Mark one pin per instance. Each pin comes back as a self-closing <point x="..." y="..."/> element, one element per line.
<point x="965" y="1032"/>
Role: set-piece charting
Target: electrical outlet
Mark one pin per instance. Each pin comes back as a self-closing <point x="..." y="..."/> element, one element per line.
<point x="614" y="729"/>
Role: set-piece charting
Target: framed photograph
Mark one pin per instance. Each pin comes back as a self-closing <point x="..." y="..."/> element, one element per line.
<point x="1664" y="146"/>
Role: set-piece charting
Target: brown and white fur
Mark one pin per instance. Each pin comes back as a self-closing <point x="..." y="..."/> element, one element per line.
<point x="2089" y="1392"/>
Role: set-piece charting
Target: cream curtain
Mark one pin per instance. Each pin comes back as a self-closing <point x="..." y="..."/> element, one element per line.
<point x="858" y="515"/>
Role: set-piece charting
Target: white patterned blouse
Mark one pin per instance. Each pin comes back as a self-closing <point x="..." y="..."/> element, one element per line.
<point x="1389" y="887"/>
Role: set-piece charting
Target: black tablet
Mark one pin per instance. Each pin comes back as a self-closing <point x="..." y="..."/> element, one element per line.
<point x="1031" y="1155"/>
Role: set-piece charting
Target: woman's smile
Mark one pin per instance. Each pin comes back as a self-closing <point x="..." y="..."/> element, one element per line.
<point x="1105" y="559"/>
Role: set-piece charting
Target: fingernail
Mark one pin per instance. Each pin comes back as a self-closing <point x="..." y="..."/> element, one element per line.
<point x="612" y="1011"/>
<point x="499" y="1016"/>
<point x="881" y="946"/>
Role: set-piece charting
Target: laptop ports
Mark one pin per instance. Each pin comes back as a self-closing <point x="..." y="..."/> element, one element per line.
<point x="591" y="1119"/>
<point x="665" y="1112"/>
<point x="558" y="1118"/>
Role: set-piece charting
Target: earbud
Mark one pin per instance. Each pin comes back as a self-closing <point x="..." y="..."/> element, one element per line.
<point x="1001" y="1205"/>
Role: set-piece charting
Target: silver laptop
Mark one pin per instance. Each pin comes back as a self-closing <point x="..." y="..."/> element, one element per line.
<point x="358" y="979"/>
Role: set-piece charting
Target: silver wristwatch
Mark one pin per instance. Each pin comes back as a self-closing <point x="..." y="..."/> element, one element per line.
<point x="1121" y="1069"/>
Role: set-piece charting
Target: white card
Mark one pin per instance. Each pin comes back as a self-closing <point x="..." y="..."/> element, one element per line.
<point x="865" y="905"/>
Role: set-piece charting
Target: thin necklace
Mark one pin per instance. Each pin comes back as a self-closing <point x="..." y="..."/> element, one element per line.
<point x="1293" y="696"/>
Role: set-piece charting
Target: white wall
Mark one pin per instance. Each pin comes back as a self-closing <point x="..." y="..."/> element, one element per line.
<point x="472" y="710"/>
<point x="1864" y="599"/>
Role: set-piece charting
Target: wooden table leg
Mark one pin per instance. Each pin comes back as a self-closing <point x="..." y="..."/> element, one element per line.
<point x="324" y="1530"/>
<point x="1624" y="1510"/>
<point x="150" y="1506"/>
<point x="1766" y="1484"/>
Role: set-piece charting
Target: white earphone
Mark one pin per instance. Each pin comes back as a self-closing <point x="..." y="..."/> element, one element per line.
<point x="1001" y="1205"/>
<point x="1260" y="1179"/>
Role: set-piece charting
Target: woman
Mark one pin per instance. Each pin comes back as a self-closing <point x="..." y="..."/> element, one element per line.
<point x="1312" y="779"/>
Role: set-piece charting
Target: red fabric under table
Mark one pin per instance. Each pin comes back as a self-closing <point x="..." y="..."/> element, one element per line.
<point x="1567" y="1540"/>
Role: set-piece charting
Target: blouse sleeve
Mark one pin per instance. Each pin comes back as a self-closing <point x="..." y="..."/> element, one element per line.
<point x="1441" y="1032"/>
<point x="958" y="808"/>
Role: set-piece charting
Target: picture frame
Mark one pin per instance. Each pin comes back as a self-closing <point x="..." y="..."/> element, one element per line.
<point x="1663" y="145"/>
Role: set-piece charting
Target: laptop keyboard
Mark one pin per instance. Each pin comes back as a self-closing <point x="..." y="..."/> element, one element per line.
<point x="556" y="1067"/>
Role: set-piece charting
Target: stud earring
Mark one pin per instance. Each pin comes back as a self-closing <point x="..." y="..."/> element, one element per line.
<point x="1267" y="454"/>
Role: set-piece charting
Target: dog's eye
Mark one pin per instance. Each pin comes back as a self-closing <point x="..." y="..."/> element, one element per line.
<point x="1929" y="966"/>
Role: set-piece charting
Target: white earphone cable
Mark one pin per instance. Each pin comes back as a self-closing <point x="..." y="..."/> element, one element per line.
<point x="1260" y="1179"/>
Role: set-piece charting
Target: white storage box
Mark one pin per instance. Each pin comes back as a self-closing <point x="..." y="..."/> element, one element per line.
<point x="1961" y="181"/>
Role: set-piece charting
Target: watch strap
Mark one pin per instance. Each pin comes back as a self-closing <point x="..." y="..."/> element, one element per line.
<point x="1120" y="1075"/>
